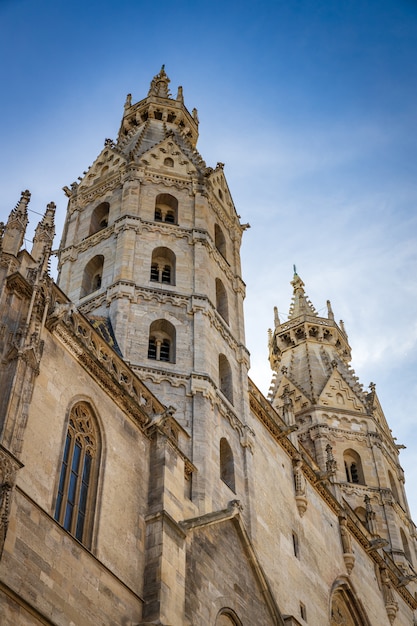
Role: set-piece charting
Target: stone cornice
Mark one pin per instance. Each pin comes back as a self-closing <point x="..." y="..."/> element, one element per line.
<point x="103" y="364"/>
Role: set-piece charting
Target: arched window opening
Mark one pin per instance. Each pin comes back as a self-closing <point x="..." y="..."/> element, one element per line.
<point x="221" y="300"/>
<point x="161" y="345"/>
<point x="168" y="162"/>
<point x="227" y="617"/>
<point x="163" y="266"/>
<point x="77" y="487"/>
<point x="99" y="218"/>
<point x="361" y="513"/>
<point x="393" y="486"/>
<point x="219" y="240"/>
<point x="92" y="277"/>
<point x="345" y="607"/>
<point x="166" y="208"/>
<point x="227" y="464"/>
<point x="225" y="378"/>
<point x="406" y="547"/>
<point x="353" y="467"/>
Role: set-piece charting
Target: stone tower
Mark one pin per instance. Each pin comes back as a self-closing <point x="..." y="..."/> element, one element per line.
<point x="151" y="246"/>
<point x="339" y="425"/>
<point x="144" y="479"/>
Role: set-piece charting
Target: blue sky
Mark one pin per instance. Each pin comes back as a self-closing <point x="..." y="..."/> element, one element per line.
<point x="312" y="106"/>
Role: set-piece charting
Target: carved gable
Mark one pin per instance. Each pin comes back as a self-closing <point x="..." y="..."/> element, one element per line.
<point x="170" y="157"/>
<point x="338" y="393"/>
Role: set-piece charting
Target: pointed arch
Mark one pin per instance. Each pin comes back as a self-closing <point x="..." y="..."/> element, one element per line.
<point x="227" y="464"/>
<point x="77" y="488"/>
<point x="220" y="240"/>
<point x="345" y="607"/>
<point x="353" y="467"/>
<point x="99" y="218"/>
<point x="222" y="305"/>
<point x="393" y="486"/>
<point x="225" y="378"/>
<point x="92" y="276"/>
<point x="406" y="547"/>
<point x="227" y="617"/>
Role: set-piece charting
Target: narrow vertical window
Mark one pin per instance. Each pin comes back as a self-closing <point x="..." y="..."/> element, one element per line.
<point x="353" y="467"/>
<point x="77" y="483"/>
<point x="227" y="465"/>
<point x="295" y="545"/>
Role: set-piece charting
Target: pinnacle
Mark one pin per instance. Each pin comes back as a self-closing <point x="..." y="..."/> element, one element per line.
<point x="300" y="304"/>
<point x="159" y="85"/>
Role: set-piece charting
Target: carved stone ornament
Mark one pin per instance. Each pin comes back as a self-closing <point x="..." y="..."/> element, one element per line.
<point x="391" y="606"/>
<point x="8" y="468"/>
<point x="300" y="488"/>
<point x="348" y="556"/>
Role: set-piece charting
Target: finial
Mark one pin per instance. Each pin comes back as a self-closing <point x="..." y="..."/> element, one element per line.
<point x="128" y="102"/>
<point x="276" y="317"/>
<point x="180" y="95"/>
<point x="330" y="313"/>
<point x="295" y="269"/>
<point x="159" y="85"/>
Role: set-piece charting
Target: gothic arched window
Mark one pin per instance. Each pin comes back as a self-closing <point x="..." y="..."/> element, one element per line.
<point x="393" y="486"/>
<point x="227" y="464"/>
<point x="219" y="240"/>
<point x="161" y="345"/>
<point x="75" y="502"/>
<point x="92" y="277"/>
<point x="163" y="266"/>
<point x="345" y="607"/>
<point x="99" y="218"/>
<point x="353" y="467"/>
<point x="225" y="378"/>
<point x="166" y="208"/>
<point x="406" y="547"/>
<point x="221" y="300"/>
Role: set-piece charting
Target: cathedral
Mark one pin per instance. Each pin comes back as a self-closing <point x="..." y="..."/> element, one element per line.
<point x="144" y="479"/>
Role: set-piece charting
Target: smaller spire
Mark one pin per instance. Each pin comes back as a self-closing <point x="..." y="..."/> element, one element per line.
<point x="44" y="235"/>
<point x="15" y="229"/>
<point x="300" y="304"/>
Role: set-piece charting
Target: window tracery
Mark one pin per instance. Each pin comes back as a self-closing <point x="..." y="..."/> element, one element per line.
<point x="77" y="486"/>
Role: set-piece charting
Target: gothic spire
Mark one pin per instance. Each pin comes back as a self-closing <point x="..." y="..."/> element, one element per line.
<point x="300" y="304"/>
<point x="14" y="231"/>
<point x="44" y="235"/>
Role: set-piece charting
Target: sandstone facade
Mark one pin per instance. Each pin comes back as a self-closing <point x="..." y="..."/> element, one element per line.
<point x="144" y="477"/>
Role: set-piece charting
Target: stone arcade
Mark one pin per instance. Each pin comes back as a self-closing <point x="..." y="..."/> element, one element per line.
<point x="144" y="479"/>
